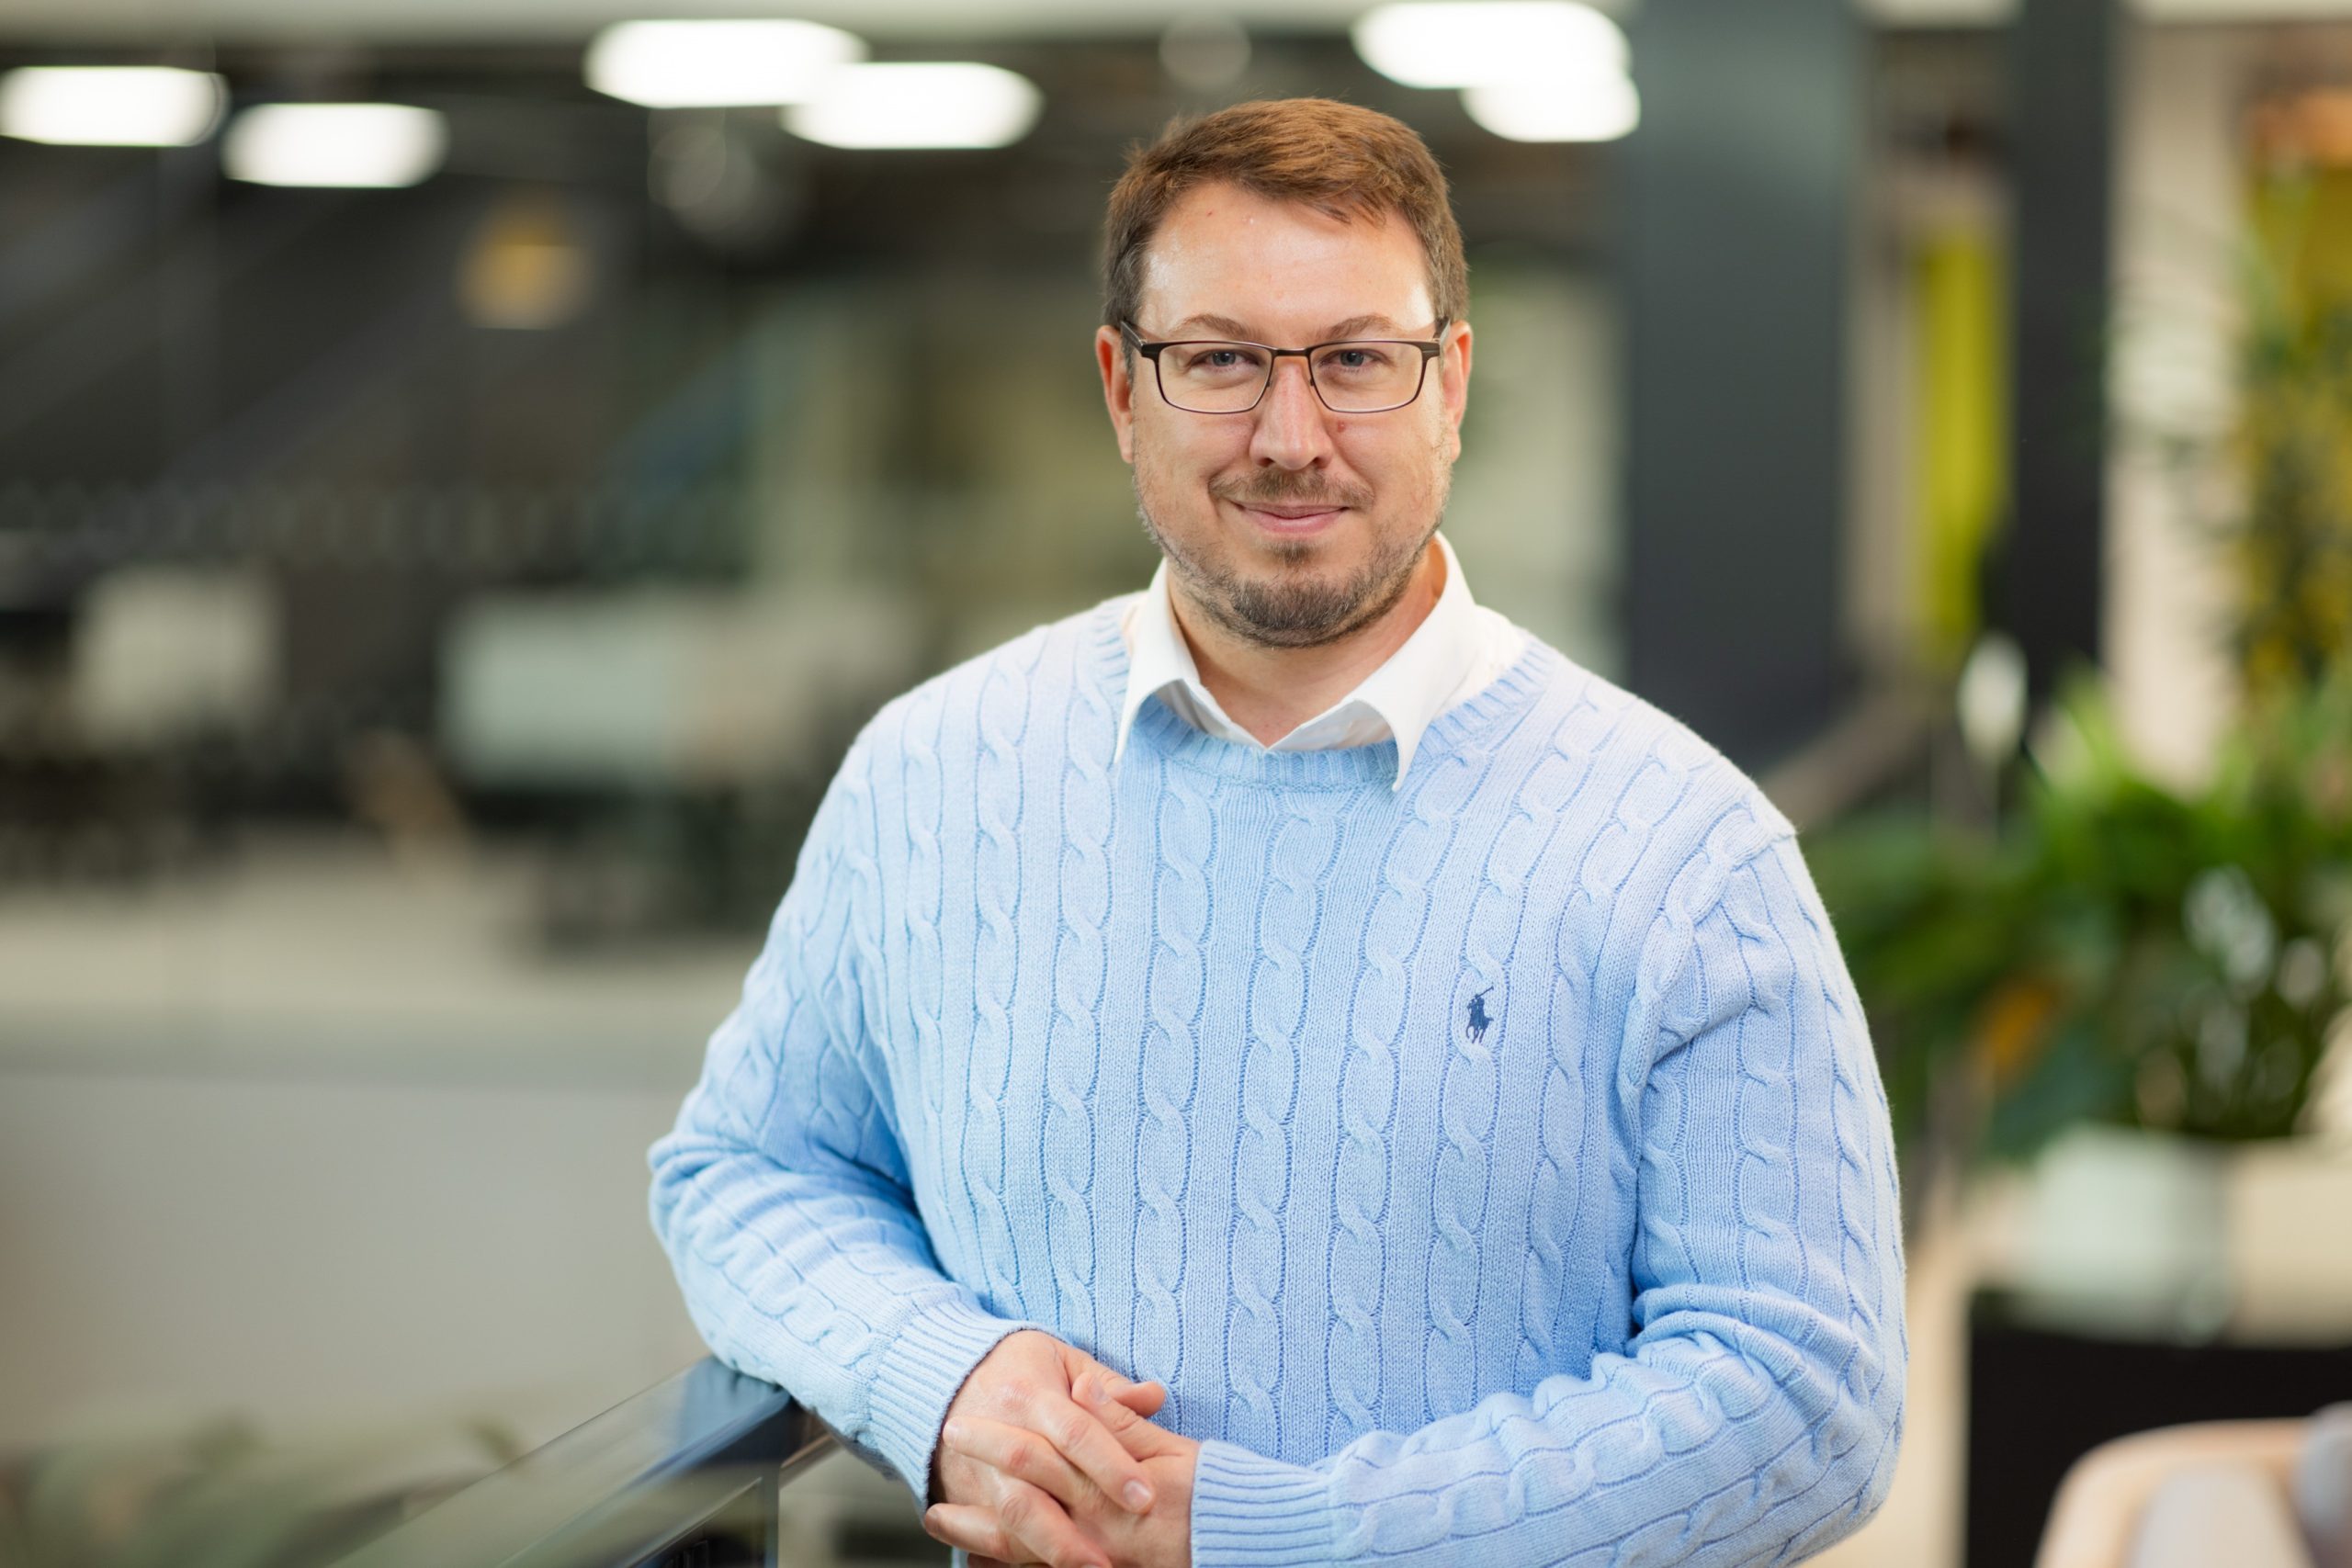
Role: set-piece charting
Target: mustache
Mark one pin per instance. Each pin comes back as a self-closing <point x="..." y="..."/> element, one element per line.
<point x="1284" y="487"/>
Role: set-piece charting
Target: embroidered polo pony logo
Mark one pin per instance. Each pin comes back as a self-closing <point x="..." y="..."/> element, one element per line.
<point x="1475" y="1030"/>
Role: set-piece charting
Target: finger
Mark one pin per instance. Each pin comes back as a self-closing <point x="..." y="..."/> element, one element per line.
<point x="1090" y="1445"/>
<point x="1020" y="1452"/>
<point x="1040" y="1529"/>
<point x="962" y="1479"/>
<point x="971" y="1526"/>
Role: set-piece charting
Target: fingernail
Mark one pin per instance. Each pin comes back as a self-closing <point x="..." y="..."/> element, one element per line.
<point x="952" y="1432"/>
<point x="1091" y="1390"/>
<point x="1138" y="1495"/>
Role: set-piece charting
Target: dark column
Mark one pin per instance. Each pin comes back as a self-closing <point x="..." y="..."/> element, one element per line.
<point x="1738" y="200"/>
<point x="2062" y="107"/>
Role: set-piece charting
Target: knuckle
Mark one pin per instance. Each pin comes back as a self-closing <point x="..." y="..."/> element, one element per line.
<point x="1021" y="1456"/>
<point x="1073" y="1431"/>
<point x="1017" y="1513"/>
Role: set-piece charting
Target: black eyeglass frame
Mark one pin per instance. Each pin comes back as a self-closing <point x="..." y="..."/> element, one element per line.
<point x="1151" y="349"/>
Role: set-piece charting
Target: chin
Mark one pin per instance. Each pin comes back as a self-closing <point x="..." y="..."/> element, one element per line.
<point x="1300" y="553"/>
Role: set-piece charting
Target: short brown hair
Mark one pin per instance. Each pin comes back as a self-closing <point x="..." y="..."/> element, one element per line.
<point x="1340" y="160"/>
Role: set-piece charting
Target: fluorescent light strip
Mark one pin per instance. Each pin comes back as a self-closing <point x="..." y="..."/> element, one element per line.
<point x="718" y="64"/>
<point x="375" y="146"/>
<point x="918" y="104"/>
<point x="110" y="106"/>
<point x="1476" y="43"/>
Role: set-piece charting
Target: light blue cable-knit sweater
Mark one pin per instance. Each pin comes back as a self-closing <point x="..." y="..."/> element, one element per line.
<point x="1495" y="1169"/>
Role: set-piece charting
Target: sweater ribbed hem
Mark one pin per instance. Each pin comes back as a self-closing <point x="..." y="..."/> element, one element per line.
<point x="1251" y="1510"/>
<point x="916" y="1377"/>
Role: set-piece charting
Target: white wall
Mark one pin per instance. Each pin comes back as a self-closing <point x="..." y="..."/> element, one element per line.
<point x="2180" y="222"/>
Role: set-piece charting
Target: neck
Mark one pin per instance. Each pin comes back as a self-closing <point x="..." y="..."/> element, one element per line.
<point x="1272" y="690"/>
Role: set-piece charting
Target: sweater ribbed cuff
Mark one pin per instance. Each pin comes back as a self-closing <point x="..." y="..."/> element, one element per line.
<point x="1251" y="1510"/>
<point x="916" y="1377"/>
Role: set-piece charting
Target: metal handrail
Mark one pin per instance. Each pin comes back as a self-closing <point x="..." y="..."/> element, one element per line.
<point x="686" y="1472"/>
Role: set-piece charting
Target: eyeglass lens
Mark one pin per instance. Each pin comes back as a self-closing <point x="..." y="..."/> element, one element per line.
<point x="1229" y="377"/>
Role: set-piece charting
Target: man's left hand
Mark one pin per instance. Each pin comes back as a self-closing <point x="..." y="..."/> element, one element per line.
<point x="1161" y="1538"/>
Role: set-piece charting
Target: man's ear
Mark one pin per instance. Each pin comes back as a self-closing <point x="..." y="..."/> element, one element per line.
<point x="1453" y="381"/>
<point x="1118" y="387"/>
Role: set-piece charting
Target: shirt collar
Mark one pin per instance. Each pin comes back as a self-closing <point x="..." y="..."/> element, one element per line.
<point x="1157" y="658"/>
<point x="1401" y="698"/>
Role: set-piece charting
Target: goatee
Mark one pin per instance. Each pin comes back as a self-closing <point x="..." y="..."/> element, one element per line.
<point x="1285" y="609"/>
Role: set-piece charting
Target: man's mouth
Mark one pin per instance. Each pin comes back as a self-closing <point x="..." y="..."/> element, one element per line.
<point x="1293" y="510"/>
<point x="1290" y="511"/>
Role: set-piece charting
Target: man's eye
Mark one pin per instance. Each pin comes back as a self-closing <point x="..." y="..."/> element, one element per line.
<point x="1220" y="358"/>
<point x="1221" y="363"/>
<point x="1356" y="359"/>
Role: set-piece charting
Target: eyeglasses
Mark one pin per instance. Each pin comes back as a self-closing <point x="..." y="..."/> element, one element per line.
<point x="1359" y="376"/>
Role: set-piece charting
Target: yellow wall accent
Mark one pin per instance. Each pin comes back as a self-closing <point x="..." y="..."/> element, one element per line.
<point x="1962" y="292"/>
<point x="2293" y="547"/>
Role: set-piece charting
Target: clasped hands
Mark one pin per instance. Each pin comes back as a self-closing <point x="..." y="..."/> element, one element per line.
<point x="1049" y="1456"/>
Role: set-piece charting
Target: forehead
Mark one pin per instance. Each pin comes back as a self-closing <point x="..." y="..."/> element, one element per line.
<point x="1281" y="266"/>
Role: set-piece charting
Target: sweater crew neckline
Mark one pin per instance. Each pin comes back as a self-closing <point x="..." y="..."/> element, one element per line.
<point x="1510" y="692"/>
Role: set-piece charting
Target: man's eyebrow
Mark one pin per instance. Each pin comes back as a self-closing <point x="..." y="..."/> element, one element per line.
<point x="1353" y="326"/>
<point x="1207" y="321"/>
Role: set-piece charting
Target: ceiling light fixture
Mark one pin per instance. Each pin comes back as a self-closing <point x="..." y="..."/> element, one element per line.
<point x="1471" y="43"/>
<point x="110" y="106"/>
<point x="718" y="64"/>
<point x="1599" y="108"/>
<point x="375" y="146"/>
<point x="918" y="104"/>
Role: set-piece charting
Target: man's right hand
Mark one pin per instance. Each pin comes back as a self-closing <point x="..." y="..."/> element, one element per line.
<point x="1028" y="1383"/>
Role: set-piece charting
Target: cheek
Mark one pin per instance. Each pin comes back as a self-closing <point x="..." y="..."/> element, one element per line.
<point x="1190" y="453"/>
<point x="1160" y="468"/>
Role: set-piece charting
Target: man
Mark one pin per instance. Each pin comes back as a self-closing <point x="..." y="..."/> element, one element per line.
<point x="1297" y="987"/>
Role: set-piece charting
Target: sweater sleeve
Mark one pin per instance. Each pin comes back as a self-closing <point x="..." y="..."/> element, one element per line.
<point x="1756" y="1414"/>
<point x="781" y="1195"/>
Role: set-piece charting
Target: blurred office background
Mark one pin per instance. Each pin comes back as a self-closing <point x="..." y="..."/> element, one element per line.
<point x="460" y="489"/>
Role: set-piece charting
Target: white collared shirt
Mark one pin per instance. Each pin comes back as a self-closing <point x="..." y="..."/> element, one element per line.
<point x="1453" y="654"/>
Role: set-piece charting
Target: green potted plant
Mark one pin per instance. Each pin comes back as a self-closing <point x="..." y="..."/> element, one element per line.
<point x="2117" y="954"/>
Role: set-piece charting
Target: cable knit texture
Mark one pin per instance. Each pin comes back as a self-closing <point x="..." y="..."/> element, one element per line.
<point x="1494" y="1164"/>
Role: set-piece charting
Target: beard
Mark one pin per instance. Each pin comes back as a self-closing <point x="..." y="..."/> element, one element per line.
<point x="1286" y="608"/>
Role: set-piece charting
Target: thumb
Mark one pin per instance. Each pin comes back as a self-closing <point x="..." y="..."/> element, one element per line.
<point x="1117" y="1413"/>
<point x="1143" y="1398"/>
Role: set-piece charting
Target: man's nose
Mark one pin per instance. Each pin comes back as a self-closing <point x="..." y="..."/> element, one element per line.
<point x="1290" y="430"/>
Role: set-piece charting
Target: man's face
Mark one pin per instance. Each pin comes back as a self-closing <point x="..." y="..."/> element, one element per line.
<point x="1289" y="525"/>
